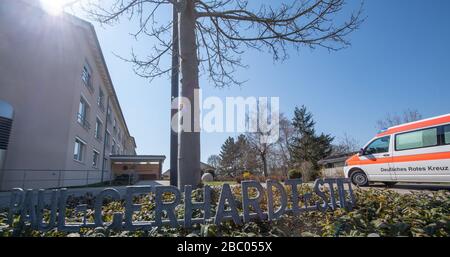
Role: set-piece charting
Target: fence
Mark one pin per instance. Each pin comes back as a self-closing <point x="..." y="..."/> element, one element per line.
<point x="31" y="178"/>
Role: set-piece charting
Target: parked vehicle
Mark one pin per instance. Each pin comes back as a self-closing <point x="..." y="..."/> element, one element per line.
<point x="413" y="152"/>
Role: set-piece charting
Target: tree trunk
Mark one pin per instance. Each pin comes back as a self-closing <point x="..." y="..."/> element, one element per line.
<point x="174" y="95"/>
<point x="189" y="148"/>
<point x="264" y="160"/>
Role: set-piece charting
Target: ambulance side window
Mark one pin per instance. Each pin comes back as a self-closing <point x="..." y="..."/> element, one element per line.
<point x="416" y="139"/>
<point x="380" y="145"/>
<point x="447" y="134"/>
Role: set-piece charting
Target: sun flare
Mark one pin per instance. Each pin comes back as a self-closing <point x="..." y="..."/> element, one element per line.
<point x="54" y="7"/>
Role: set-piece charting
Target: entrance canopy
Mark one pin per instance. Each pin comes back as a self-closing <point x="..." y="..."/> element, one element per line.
<point x="144" y="167"/>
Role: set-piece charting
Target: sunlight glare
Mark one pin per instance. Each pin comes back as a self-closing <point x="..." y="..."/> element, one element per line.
<point x="54" y="7"/>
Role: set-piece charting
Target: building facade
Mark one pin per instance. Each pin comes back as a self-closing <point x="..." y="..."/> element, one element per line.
<point x="67" y="118"/>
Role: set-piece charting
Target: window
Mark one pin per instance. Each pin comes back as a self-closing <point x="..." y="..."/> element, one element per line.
<point x="115" y="124"/>
<point x="86" y="74"/>
<point x="108" y="114"/>
<point x="87" y="78"/>
<point x="82" y="113"/>
<point x="380" y="145"/>
<point x="101" y="100"/>
<point x="447" y="134"/>
<point x="416" y="139"/>
<point x="107" y="137"/>
<point x="98" y="129"/>
<point x="78" y="150"/>
<point x="113" y="147"/>
<point x="95" y="157"/>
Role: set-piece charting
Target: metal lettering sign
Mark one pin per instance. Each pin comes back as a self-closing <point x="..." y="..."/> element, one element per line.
<point x="29" y="207"/>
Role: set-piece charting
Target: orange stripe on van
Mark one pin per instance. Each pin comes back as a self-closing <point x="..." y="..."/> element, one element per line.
<point x="417" y="125"/>
<point x="355" y="160"/>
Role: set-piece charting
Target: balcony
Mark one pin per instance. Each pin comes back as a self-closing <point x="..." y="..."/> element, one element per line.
<point x="83" y="121"/>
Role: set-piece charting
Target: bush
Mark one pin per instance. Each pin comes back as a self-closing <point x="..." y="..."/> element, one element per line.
<point x="276" y="177"/>
<point x="246" y="175"/>
<point x="309" y="173"/>
<point x="224" y="178"/>
<point x="294" y="174"/>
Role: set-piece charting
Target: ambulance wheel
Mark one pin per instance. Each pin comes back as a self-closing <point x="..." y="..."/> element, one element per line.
<point x="359" y="178"/>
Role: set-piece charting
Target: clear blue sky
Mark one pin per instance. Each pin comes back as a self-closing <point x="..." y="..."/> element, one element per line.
<point x="399" y="59"/>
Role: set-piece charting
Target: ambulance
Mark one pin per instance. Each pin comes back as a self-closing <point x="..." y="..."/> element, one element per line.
<point x="413" y="152"/>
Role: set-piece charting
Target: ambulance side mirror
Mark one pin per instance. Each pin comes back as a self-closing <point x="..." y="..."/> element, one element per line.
<point x="361" y="152"/>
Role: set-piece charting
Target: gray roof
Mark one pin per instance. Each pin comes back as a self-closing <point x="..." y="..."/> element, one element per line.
<point x="335" y="158"/>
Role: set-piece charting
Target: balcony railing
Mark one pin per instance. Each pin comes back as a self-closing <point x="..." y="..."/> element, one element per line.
<point x="83" y="121"/>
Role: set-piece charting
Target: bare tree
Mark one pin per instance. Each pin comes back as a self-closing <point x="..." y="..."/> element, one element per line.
<point x="282" y="146"/>
<point x="391" y="120"/>
<point x="213" y="35"/>
<point x="345" y="145"/>
<point x="214" y="161"/>
<point x="263" y="141"/>
<point x="261" y="147"/>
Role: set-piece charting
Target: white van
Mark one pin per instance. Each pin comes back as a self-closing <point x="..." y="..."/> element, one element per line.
<point x="412" y="152"/>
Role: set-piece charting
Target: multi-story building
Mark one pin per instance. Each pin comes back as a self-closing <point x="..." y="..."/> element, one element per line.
<point x="67" y="123"/>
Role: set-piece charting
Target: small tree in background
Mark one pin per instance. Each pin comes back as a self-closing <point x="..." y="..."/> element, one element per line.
<point x="248" y="156"/>
<point x="304" y="133"/>
<point x="391" y="120"/>
<point x="214" y="161"/>
<point x="237" y="156"/>
<point x="265" y="136"/>
<point x="229" y="157"/>
<point x="281" y="151"/>
<point x="307" y="148"/>
<point x="346" y="145"/>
